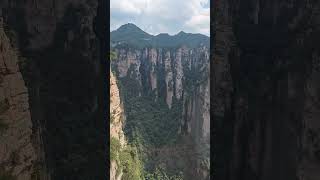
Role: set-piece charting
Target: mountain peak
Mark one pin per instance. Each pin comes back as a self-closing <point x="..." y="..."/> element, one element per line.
<point x="129" y="26"/>
<point x="131" y="34"/>
<point x="181" y="33"/>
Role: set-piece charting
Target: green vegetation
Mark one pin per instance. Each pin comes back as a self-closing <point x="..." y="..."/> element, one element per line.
<point x="160" y="174"/>
<point x="194" y="76"/>
<point x="130" y="34"/>
<point x="131" y="165"/>
<point x="153" y="121"/>
<point x="127" y="160"/>
<point x="112" y="55"/>
<point x="149" y="124"/>
<point x="114" y="148"/>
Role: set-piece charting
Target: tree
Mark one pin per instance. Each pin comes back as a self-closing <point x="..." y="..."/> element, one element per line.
<point x="112" y="55"/>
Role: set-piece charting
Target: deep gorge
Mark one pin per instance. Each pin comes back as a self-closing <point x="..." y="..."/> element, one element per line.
<point x="165" y="101"/>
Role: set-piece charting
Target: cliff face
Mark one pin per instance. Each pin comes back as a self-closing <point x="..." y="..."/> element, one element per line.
<point x="265" y="93"/>
<point x="168" y="74"/>
<point x="59" y="62"/>
<point x="116" y="124"/>
<point x="116" y="111"/>
<point x="17" y="152"/>
<point x="178" y="78"/>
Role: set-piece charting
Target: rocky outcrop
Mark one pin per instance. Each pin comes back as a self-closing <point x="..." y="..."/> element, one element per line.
<point x="196" y="94"/>
<point x="264" y="71"/>
<point x="152" y="57"/>
<point x="113" y="171"/>
<point x="168" y="78"/>
<point x="153" y="60"/>
<point x="116" y="123"/>
<point x="179" y="74"/>
<point x="128" y="59"/>
<point x="116" y="111"/>
<point x="17" y="152"/>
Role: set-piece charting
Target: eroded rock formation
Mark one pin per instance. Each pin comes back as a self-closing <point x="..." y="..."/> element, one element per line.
<point x="174" y="75"/>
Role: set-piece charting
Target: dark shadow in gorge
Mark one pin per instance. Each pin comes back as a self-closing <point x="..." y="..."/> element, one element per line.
<point x="269" y="60"/>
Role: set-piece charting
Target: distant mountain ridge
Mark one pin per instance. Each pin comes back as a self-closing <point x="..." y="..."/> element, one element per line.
<point x="130" y="34"/>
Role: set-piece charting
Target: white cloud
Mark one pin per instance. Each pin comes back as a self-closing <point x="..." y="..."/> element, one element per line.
<point x="127" y="6"/>
<point x="200" y="22"/>
<point x="162" y="16"/>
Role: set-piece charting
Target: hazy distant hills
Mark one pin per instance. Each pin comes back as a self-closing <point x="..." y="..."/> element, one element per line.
<point x="130" y="34"/>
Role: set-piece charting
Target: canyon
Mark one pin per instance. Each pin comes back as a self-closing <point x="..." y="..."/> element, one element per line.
<point x="164" y="90"/>
<point x="263" y="90"/>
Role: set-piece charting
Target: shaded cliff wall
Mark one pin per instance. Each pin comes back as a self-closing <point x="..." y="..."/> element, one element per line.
<point x="178" y="78"/>
<point x="264" y="89"/>
<point x="18" y="150"/>
<point x="60" y="63"/>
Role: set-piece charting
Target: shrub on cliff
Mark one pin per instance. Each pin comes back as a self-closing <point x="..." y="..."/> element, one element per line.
<point x="131" y="164"/>
<point x="160" y="173"/>
<point x="112" y="55"/>
<point x="114" y="148"/>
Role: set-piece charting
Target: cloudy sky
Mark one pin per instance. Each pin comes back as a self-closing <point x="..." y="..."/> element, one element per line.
<point x="162" y="16"/>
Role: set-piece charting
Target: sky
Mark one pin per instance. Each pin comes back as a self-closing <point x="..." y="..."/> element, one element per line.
<point x="162" y="16"/>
